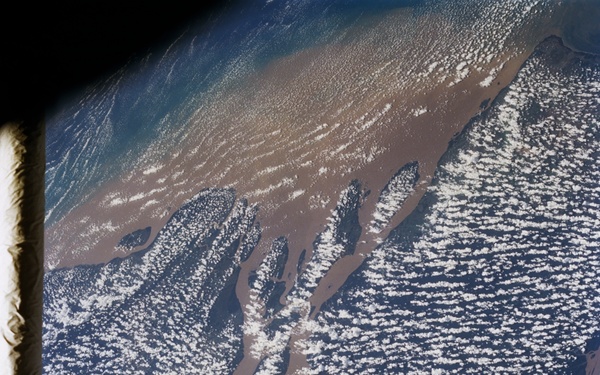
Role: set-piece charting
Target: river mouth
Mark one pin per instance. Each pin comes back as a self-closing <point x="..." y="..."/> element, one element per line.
<point x="293" y="137"/>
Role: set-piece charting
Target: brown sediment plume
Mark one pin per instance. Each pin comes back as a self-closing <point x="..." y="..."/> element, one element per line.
<point x="294" y="135"/>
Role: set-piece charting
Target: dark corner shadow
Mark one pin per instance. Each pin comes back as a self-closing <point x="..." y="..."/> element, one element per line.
<point x="48" y="50"/>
